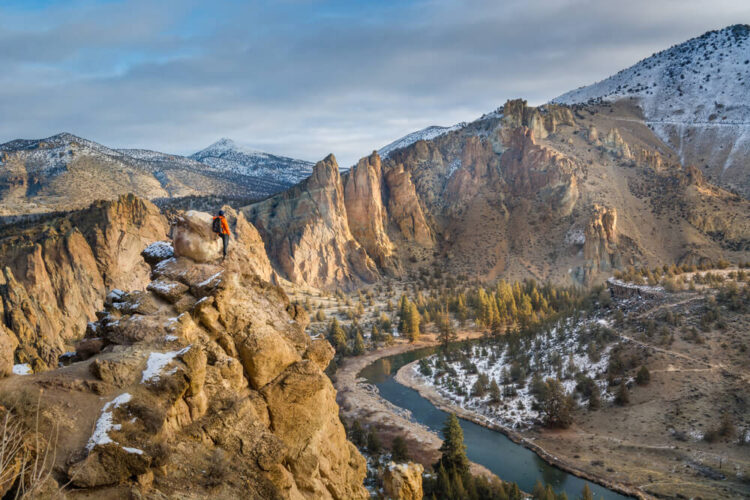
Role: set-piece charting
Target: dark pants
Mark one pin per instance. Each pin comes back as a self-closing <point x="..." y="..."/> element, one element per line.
<point x="225" y="240"/>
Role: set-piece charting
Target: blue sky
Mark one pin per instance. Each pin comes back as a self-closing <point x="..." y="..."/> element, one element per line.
<point x="303" y="77"/>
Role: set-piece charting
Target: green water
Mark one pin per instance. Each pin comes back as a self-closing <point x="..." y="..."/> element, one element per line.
<point x="494" y="450"/>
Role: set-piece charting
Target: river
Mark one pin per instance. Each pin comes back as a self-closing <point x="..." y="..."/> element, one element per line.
<point x="494" y="450"/>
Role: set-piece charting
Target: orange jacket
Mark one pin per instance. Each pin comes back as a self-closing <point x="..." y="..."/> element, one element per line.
<point x="224" y="225"/>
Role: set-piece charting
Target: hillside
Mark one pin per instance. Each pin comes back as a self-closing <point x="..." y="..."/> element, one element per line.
<point x="420" y="135"/>
<point x="695" y="97"/>
<point x="65" y="172"/>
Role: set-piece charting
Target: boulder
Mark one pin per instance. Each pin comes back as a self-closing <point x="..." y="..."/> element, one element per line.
<point x="194" y="238"/>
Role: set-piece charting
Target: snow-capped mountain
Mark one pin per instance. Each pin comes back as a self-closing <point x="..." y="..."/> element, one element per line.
<point x="228" y="156"/>
<point x="420" y="135"/>
<point x="696" y="97"/>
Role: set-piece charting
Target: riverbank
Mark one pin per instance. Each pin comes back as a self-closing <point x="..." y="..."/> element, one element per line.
<point x="407" y="377"/>
<point x="361" y="401"/>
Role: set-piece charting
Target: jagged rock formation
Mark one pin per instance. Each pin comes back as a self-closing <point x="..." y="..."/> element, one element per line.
<point x="306" y="232"/>
<point x="368" y="219"/>
<point x="511" y="194"/>
<point x="403" y="481"/>
<point x="205" y="384"/>
<point x="56" y="273"/>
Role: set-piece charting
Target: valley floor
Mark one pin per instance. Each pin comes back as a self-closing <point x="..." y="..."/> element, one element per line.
<point x="655" y="444"/>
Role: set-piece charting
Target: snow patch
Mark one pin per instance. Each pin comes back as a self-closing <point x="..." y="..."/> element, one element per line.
<point x="156" y="363"/>
<point x="22" y="369"/>
<point x="105" y="423"/>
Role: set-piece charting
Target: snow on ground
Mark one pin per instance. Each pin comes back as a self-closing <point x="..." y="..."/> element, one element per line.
<point x="515" y="408"/>
<point x="105" y="422"/>
<point x="228" y="156"/>
<point x="156" y="363"/>
<point x="22" y="369"/>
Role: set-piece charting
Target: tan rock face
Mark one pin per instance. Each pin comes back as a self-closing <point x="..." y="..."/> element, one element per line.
<point x="231" y="385"/>
<point x="615" y="144"/>
<point x="368" y="219"/>
<point x="306" y="232"/>
<point x="403" y="481"/>
<point x="55" y="274"/>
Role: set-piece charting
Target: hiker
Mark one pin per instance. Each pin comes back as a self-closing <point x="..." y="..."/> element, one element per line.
<point x="221" y="227"/>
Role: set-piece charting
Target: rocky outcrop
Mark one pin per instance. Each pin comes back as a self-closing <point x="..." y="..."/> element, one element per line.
<point x="542" y="121"/>
<point x="533" y="170"/>
<point x="600" y="247"/>
<point x="616" y="145"/>
<point x="55" y="274"/>
<point x="367" y="216"/>
<point x="403" y="481"/>
<point x="306" y="232"/>
<point x="205" y="386"/>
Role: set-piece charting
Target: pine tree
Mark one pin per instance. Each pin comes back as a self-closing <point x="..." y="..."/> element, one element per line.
<point x="539" y="493"/>
<point x="399" y="451"/>
<point x="623" y="395"/>
<point x="494" y="392"/>
<point x="404" y="311"/>
<point x="453" y="448"/>
<point x="337" y="336"/>
<point x="373" y="442"/>
<point x="359" y="345"/>
<point x="357" y="434"/>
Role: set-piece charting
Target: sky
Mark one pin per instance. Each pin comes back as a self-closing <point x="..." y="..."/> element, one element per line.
<point x="304" y="78"/>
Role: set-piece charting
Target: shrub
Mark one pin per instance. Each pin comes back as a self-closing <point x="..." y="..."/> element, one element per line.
<point x="623" y="395"/>
<point x="643" y="377"/>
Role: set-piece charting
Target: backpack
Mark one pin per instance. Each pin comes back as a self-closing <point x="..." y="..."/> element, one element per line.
<point x="216" y="226"/>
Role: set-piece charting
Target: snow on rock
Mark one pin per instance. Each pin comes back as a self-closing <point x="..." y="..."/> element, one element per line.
<point x="22" y="369"/>
<point x="133" y="450"/>
<point x="156" y="363"/>
<point x="105" y="423"/>
<point x="158" y="251"/>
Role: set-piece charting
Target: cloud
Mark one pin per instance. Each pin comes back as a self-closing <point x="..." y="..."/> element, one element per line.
<point x="304" y="78"/>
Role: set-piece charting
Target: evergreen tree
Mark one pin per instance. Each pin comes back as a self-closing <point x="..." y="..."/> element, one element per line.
<point x="359" y="345"/>
<point x="357" y="434"/>
<point x="623" y="394"/>
<point x="494" y="392"/>
<point x="399" y="451"/>
<point x="404" y="311"/>
<point x="453" y="448"/>
<point x="373" y="442"/>
<point x="337" y="336"/>
<point x="595" y="401"/>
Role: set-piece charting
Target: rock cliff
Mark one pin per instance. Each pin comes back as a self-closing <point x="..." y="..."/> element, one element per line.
<point x="56" y="273"/>
<point x="204" y="384"/>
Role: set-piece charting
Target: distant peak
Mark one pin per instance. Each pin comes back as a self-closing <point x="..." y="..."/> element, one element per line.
<point x="225" y="145"/>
